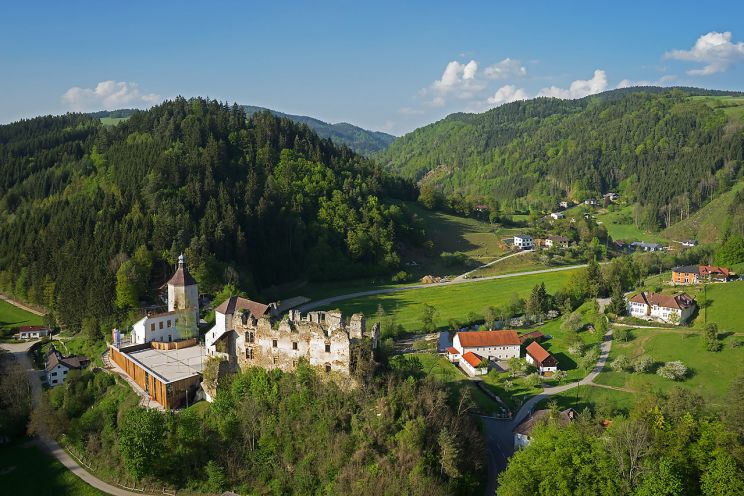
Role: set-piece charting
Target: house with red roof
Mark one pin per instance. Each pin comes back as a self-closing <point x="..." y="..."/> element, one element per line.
<point x="33" y="332"/>
<point x="696" y="274"/>
<point x="493" y="345"/>
<point x="661" y="307"/>
<point x="473" y="364"/>
<point x="540" y="357"/>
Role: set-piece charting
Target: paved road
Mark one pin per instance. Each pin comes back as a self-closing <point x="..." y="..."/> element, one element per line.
<point x="349" y="296"/>
<point x="499" y="433"/>
<point x="20" y="352"/>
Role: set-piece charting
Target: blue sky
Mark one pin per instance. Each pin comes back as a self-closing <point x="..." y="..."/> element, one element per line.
<point x="389" y="66"/>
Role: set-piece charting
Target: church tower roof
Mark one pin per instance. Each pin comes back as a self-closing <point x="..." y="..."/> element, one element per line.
<point x="182" y="277"/>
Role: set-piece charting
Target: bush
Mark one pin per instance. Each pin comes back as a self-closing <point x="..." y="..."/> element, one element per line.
<point x="621" y="363"/>
<point x="622" y="334"/>
<point x="453" y="259"/>
<point x="675" y="370"/>
<point x="576" y="348"/>
<point x="589" y="359"/>
<point x="533" y="380"/>
<point x="643" y="363"/>
<point x="401" y="276"/>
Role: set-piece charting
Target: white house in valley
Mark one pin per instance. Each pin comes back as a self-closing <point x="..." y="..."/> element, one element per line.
<point x="57" y="366"/>
<point x="662" y="308"/>
<point x="557" y="215"/>
<point x="493" y="345"/>
<point x="181" y="319"/>
<point x="33" y="332"/>
<point x="524" y="241"/>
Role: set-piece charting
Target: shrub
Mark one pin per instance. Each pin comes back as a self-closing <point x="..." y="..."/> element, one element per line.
<point x="401" y="276"/>
<point x="589" y="359"/>
<point x="533" y="380"/>
<point x="622" y="334"/>
<point x="452" y="259"/>
<point x="675" y="370"/>
<point x="643" y="363"/>
<point x="576" y="348"/>
<point x="621" y="363"/>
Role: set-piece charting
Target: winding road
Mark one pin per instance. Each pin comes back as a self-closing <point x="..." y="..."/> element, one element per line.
<point x="499" y="433"/>
<point x="20" y="353"/>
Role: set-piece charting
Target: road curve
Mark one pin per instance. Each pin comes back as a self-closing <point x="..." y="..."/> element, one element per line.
<point x="20" y="352"/>
<point x="499" y="434"/>
<point x="312" y="305"/>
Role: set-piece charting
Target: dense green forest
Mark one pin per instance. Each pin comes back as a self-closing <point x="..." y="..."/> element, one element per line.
<point x="252" y="201"/>
<point x="278" y="433"/>
<point x="360" y="140"/>
<point x="660" y="148"/>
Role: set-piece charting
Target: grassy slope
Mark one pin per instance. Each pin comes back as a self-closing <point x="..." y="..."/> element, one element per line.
<point x="620" y="226"/>
<point x="725" y="307"/>
<point x="111" y="121"/>
<point x="733" y="106"/>
<point x="27" y="470"/>
<point x="706" y="225"/>
<point x="12" y="316"/>
<point x="454" y="301"/>
<point x="711" y="373"/>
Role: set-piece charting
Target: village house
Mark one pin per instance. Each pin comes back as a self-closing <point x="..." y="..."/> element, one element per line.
<point x="246" y="334"/>
<point x="33" y="332"/>
<point x="181" y="319"/>
<point x="696" y="274"/>
<point x="556" y="241"/>
<point x="493" y="345"/>
<point x="557" y="215"/>
<point x="523" y="432"/>
<point x="611" y="196"/>
<point x="689" y="243"/>
<point x="563" y="204"/>
<point x="663" y="308"/>
<point x="649" y="247"/>
<point x="523" y="242"/>
<point x="57" y="366"/>
<point x="539" y="357"/>
<point x="471" y="364"/>
<point x="590" y="201"/>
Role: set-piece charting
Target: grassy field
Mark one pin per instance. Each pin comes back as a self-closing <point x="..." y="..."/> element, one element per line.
<point x="112" y="121"/>
<point x="620" y="226"/>
<point x="606" y="401"/>
<point x="710" y="373"/>
<point x="454" y="301"/>
<point x="27" y="470"/>
<point x="12" y="317"/>
<point x="733" y="106"/>
<point x="724" y="307"/>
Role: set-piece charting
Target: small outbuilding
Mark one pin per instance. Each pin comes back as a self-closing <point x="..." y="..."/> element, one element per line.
<point x="472" y="364"/>
<point x="540" y="357"/>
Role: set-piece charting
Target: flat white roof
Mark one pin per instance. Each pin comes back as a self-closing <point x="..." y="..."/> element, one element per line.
<point x="171" y="365"/>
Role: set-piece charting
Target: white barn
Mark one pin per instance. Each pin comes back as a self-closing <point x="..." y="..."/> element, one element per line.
<point x="494" y="345"/>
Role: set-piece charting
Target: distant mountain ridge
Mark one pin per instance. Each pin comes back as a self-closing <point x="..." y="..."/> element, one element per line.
<point x="358" y="139"/>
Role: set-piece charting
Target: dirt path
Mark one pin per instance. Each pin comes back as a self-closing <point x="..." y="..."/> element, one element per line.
<point x="466" y="274"/>
<point x="21" y="305"/>
<point x="349" y="296"/>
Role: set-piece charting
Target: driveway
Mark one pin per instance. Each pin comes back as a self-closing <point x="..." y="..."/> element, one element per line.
<point x="499" y="433"/>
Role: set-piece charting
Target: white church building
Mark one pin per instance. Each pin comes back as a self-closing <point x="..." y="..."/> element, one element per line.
<point x="181" y="319"/>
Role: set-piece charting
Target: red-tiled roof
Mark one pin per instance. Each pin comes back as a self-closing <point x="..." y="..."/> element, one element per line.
<point x="478" y="339"/>
<point x="452" y="350"/>
<point x="238" y="303"/>
<point x="713" y="270"/>
<point x="182" y="277"/>
<point x="537" y="352"/>
<point x="32" y="328"/>
<point x="679" y="301"/>
<point x="473" y="359"/>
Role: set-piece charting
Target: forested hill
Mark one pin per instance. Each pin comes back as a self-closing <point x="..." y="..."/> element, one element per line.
<point x="666" y="149"/>
<point x="360" y="140"/>
<point x="91" y="215"/>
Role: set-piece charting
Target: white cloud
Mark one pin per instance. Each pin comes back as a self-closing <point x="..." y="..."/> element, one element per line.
<point x="579" y="88"/>
<point x="627" y="83"/>
<point x="108" y="95"/>
<point x="506" y="94"/>
<point x="458" y="80"/>
<point x="507" y="68"/>
<point x="715" y="50"/>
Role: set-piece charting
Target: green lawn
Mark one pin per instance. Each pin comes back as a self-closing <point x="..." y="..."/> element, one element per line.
<point x="725" y="306"/>
<point x="453" y="301"/>
<point x="606" y="401"/>
<point x="112" y="121"/>
<point x="620" y="226"/>
<point x="27" y="470"/>
<point x="12" y="317"/>
<point x="711" y="374"/>
<point x="732" y="106"/>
